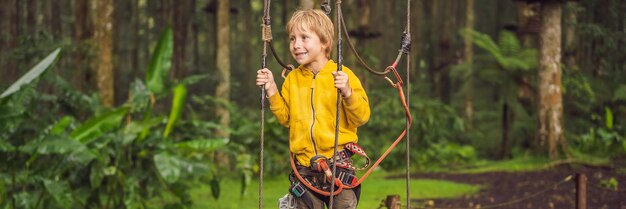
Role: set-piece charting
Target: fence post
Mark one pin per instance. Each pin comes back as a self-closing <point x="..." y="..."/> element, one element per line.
<point x="581" y="191"/>
<point x="393" y="201"/>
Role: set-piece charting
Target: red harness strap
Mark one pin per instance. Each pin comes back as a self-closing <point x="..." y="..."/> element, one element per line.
<point x="350" y="149"/>
<point x="323" y="164"/>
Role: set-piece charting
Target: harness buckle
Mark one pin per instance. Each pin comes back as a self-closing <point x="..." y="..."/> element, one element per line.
<point x="297" y="189"/>
<point x="314" y="162"/>
<point x="347" y="178"/>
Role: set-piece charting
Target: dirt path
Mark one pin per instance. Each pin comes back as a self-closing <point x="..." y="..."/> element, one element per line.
<point x="502" y="187"/>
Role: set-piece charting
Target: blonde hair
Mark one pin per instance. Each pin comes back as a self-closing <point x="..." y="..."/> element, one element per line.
<point x="316" y="21"/>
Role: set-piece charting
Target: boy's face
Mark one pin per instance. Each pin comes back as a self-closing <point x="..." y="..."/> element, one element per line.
<point x="306" y="47"/>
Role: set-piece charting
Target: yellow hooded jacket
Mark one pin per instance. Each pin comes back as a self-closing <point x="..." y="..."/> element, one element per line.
<point x="308" y="105"/>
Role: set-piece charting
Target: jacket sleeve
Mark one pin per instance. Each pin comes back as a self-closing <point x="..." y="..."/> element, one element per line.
<point x="280" y="106"/>
<point x="356" y="106"/>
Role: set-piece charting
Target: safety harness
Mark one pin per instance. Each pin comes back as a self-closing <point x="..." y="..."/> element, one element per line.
<point x="319" y="175"/>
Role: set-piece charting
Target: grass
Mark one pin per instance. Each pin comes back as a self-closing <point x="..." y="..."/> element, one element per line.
<point x="375" y="188"/>
<point x="525" y="163"/>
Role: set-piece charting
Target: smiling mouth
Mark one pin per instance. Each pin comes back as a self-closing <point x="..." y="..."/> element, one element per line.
<point x="299" y="54"/>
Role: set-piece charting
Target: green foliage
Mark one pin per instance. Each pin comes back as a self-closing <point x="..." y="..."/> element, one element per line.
<point x="98" y="158"/>
<point x="620" y="93"/>
<point x="245" y="127"/>
<point x="160" y="62"/>
<point x="508" y="53"/>
<point x="603" y="139"/>
<point x="503" y="77"/>
<point x="436" y="133"/>
<point x="95" y="127"/>
<point x="610" y="183"/>
<point x="33" y="73"/>
<point x="178" y="102"/>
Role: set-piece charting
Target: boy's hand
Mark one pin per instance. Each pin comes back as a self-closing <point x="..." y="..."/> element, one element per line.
<point x="342" y="83"/>
<point x="265" y="78"/>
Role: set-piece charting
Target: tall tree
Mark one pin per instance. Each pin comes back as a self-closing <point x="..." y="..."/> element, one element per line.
<point x="445" y="57"/>
<point x="468" y="57"/>
<point x="307" y="4"/>
<point x="83" y="31"/>
<point x="124" y="45"/>
<point x="104" y="38"/>
<point x="55" y="21"/>
<point x="8" y="39"/>
<point x="31" y="17"/>
<point x="222" y="91"/>
<point x="417" y="36"/>
<point x="571" y="21"/>
<point x="181" y="16"/>
<point x="550" y="131"/>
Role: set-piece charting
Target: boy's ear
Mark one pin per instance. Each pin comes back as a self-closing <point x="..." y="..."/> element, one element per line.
<point x="325" y="46"/>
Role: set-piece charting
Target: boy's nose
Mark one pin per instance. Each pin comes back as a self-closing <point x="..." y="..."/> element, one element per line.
<point x="297" y="44"/>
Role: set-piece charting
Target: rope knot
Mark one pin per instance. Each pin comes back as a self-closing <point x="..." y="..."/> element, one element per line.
<point x="406" y="43"/>
<point x="266" y="32"/>
<point x="326" y="7"/>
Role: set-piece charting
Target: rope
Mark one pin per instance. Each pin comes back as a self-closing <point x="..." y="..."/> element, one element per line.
<point x="397" y="85"/>
<point x="267" y="38"/>
<point x="338" y="106"/>
<point x="266" y="33"/>
<point x="514" y="201"/>
<point x="290" y="67"/>
<point x="407" y="51"/>
<point x="359" y="58"/>
<point x="326" y="7"/>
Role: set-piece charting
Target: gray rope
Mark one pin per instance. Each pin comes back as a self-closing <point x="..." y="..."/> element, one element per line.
<point x="339" y="65"/>
<point x="266" y="24"/>
<point x="408" y="101"/>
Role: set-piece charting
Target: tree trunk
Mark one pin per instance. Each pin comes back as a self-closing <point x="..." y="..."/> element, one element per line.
<point x="550" y="131"/>
<point x="222" y="91"/>
<point x="31" y="18"/>
<point x="248" y="72"/>
<point x="506" y="127"/>
<point x="56" y="21"/>
<point x="571" y="21"/>
<point x="123" y="46"/>
<point x="83" y="31"/>
<point x="434" y="36"/>
<point x="445" y="58"/>
<point x="104" y="38"/>
<point x="195" y="32"/>
<point x="180" y="20"/>
<point x="135" y="38"/>
<point x="417" y="37"/>
<point x="468" y="57"/>
<point x="10" y="17"/>
<point x="307" y="4"/>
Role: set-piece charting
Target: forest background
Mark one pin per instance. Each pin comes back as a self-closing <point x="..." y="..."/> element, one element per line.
<point x="153" y="96"/>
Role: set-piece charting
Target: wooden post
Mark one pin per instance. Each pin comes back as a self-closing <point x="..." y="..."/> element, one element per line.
<point x="393" y="201"/>
<point x="581" y="191"/>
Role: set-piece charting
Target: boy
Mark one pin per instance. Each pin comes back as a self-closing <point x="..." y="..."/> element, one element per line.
<point x="307" y="105"/>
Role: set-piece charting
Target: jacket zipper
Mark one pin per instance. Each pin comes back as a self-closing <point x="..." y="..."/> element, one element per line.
<point x="313" y="115"/>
